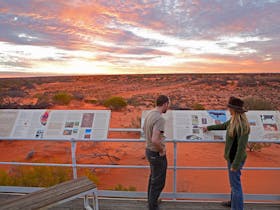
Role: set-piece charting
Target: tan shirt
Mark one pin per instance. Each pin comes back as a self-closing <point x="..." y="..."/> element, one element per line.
<point x="153" y="119"/>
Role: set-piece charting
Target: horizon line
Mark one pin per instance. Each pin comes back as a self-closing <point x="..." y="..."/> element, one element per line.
<point x="89" y="75"/>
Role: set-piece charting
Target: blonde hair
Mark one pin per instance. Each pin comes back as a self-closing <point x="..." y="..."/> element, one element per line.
<point x="239" y="124"/>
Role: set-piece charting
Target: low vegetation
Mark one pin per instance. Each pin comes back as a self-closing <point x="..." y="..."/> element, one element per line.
<point x="256" y="147"/>
<point x="198" y="106"/>
<point x="40" y="176"/>
<point x="120" y="187"/>
<point x="254" y="103"/>
<point x="78" y="96"/>
<point x="62" y="98"/>
<point x="115" y="103"/>
<point x="91" y="101"/>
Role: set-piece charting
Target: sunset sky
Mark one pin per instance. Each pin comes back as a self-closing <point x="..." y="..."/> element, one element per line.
<point x="49" y="37"/>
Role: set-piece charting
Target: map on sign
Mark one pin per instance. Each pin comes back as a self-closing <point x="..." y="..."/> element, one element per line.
<point x="187" y="125"/>
<point x="54" y="124"/>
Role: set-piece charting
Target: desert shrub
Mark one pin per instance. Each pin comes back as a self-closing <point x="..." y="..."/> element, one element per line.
<point x="246" y="81"/>
<point x="91" y="101"/>
<point x="120" y="187"/>
<point x="29" y="85"/>
<point x="15" y="93"/>
<point x="89" y="173"/>
<point x="133" y="101"/>
<point x="62" y="98"/>
<point x="257" y="146"/>
<point x="40" y="176"/>
<point x="198" y="106"/>
<point x="1" y="95"/>
<point x="255" y="103"/>
<point x="78" y="96"/>
<point x="115" y="103"/>
<point x="43" y="102"/>
<point x="15" y="105"/>
<point x="10" y="105"/>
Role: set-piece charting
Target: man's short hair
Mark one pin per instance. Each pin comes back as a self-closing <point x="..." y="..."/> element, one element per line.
<point x="162" y="99"/>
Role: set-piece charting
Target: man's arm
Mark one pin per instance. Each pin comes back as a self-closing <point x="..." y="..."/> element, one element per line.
<point x="156" y="140"/>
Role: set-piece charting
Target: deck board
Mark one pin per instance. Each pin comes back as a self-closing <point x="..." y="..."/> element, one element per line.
<point x="136" y="204"/>
<point x="51" y="195"/>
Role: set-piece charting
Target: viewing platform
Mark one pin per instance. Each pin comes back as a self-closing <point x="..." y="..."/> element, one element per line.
<point x="179" y="193"/>
<point x="141" y="204"/>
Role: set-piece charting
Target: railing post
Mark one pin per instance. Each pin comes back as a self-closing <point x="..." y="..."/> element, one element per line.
<point x="175" y="170"/>
<point x="73" y="154"/>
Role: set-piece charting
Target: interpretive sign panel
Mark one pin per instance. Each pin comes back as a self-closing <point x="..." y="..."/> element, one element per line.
<point x="265" y="125"/>
<point x="54" y="124"/>
<point x="187" y="125"/>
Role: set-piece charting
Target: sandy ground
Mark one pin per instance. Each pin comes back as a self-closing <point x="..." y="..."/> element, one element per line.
<point x="189" y="154"/>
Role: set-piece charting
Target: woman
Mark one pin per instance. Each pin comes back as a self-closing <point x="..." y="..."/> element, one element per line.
<point x="237" y="134"/>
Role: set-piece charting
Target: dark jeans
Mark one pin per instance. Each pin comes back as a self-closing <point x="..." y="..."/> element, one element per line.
<point x="158" y="166"/>
<point x="236" y="188"/>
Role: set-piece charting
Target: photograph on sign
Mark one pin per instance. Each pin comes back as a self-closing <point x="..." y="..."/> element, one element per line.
<point x="87" y="120"/>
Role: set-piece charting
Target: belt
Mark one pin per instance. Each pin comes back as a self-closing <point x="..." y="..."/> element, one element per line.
<point x="152" y="152"/>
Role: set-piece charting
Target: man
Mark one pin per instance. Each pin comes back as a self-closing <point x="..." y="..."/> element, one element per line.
<point x="155" y="150"/>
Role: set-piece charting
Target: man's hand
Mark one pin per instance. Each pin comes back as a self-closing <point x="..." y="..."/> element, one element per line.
<point x="163" y="152"/>
<point x="233" y="170"/>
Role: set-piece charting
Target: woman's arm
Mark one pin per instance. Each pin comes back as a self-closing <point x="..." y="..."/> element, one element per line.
<point x="219" y="127"/>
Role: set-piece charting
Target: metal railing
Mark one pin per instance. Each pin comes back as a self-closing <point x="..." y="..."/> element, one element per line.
<point x="132" y="194"/>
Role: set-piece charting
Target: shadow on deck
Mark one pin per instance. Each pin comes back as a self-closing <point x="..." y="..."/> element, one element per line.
<point x="138" y="204"/>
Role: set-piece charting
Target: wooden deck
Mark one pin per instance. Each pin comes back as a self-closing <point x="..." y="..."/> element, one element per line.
<point x="57" y="194"/>
<point x="133" y="204"/>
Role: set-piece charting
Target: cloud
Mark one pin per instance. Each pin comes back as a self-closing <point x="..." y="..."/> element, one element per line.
<point x="114" y="35"/>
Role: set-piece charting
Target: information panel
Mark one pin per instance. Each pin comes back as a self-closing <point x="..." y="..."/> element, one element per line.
<point x="187" y="125"/>
<point x="54" y="124"/>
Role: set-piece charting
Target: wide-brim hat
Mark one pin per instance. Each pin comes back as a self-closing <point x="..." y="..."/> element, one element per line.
<point x="236" y="104"/>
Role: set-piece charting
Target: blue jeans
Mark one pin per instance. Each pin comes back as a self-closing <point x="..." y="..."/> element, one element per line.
<point x="158" y="167"/>
<point x="236" y="188"/>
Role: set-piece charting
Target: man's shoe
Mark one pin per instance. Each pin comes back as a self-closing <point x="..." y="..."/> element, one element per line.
<point x="226" y="204"/>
